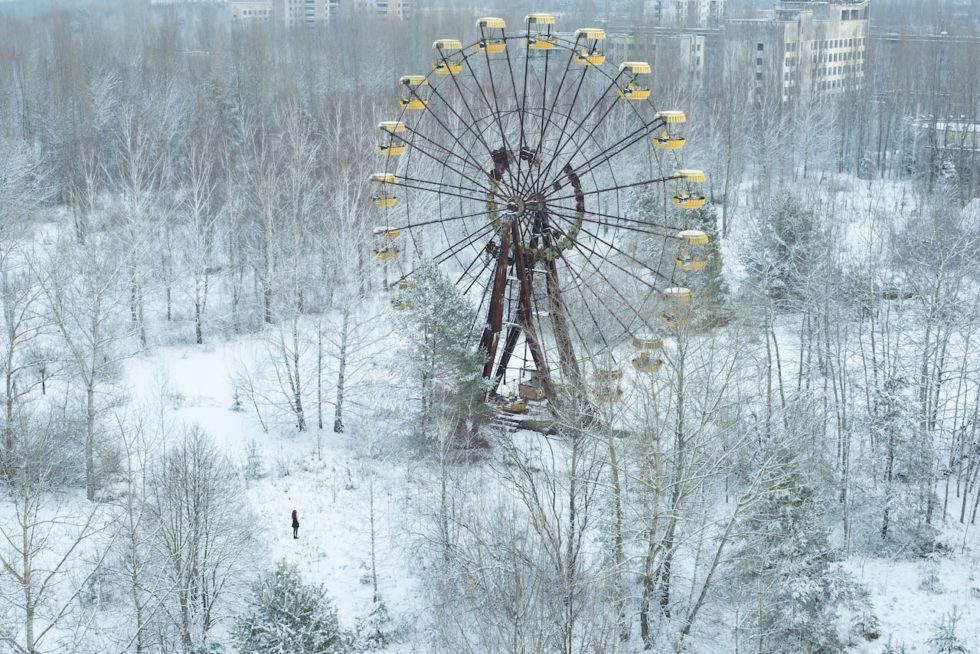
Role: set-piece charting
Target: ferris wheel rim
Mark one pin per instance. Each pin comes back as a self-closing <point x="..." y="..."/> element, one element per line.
<point x="515" y="190"/>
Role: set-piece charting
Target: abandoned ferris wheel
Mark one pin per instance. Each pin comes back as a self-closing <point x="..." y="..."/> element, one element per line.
<point x="511" y="164"/>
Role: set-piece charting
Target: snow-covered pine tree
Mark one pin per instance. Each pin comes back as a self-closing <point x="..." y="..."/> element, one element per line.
<point x="287" y="616"/>
<point x="944" y="639"/>
<point x="905" y="460"/>
<point x="786" y="567"/>
<point x="441" y="328"/>
<point x="372" y="628"/>
<point x="709" y="284"/>
<point x="785" y="248"/>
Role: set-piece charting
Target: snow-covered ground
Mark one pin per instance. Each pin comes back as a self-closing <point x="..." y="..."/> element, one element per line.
<point x="333" y="497"/>
<point x="911" y="597"/>
<point x="332" y="484"/>
<point x="338" y="482"/>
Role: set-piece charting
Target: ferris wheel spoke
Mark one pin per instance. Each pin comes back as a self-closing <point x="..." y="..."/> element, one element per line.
<point x="474" y="278"/>
<point x="588" y="258"/>
<point x="562" y="144"/>
<point x="495" y="108"/>
<point x="564" y="126"/>
<point x="614" y="81"/>
<point x="459" y="246"/>
<point x="597" y="297"/>
<point x="600" y="297"/>
<point x="521" y="112"/>
<point x="448" y="151"/>
<point x="452" y="250"/>
<point x="578" y="286"/>
<point x="619" y="219"/>
<point x="471" y="127"/>
<point x="479" y="313"/>
<point x="482" y="192"/>
<point x="620" y="146"/>
<point x="442" y="161"/>
<point x="629" y="228"/>
<point x="618" y="187"/>
<point x="466" y="270"/>
<point x="546" y="120"/>
<point x="438" y="221"/>
<point x="616" y="249"/>
<point x="544" y="99"/>
<point x="436" y="191"/>
<point x="571" y="137"/>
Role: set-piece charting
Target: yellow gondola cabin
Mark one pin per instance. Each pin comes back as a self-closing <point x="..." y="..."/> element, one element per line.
<point x="589" y="53"/>
<point x="689" y="194"/>
<point x="411" y="98"/>
<point x="670" y="137"/>
<point x="539" y="36"/>
<point x="449" y="59"/>
<point x="678" y="300"/>
<point x="385" y="245"/>
<point x="634" y="90"/>
<point x="491" y="36"/>
<point x="391" y="147"/>
<point x="607" y="385"/>
<point x="399" y="302"/>
<point x="646" y="345"/>
<point x="693" y="256"/>
<point x="383" y="200"/>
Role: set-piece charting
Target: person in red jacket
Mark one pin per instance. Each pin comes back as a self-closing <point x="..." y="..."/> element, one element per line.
<point x="295" y="524"/>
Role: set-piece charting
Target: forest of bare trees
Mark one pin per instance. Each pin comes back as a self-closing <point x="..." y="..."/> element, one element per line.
<point x="171" y="180"/>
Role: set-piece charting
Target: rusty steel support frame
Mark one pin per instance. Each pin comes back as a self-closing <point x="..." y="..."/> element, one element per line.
<point x="511" y="251"/>
<point x="495" y="312"/>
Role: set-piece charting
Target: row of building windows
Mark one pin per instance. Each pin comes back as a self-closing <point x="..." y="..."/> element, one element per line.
<point x="839" y="56"/>
<point x="822" y="45"/>
<point x="840" y="43"/>
<point x="839" y="70"/>
<point x="834" y="84"/>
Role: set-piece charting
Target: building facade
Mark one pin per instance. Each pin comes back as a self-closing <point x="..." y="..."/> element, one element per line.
<point x="803" y="50"/>
<point x="676" y="53"/>
<point x="297" y="12"/>
<point x="390" y="8"/>
<point x="684" y="13"/>
<point x="251" y="11"/>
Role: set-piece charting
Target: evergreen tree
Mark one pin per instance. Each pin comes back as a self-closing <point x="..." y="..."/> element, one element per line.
<point x="286" y="616"/>
<point x="785" y="554"/>
<point x="786" y="249"/>
<point x="904" y="464"/>
<point x="944" y="639"/>
<point x="442" y="330"/>
<point x="709" y="284"/>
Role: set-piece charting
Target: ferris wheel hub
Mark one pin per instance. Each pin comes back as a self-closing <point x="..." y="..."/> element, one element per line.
<point x="535" y="202"/>
<point x="515" y="206"/>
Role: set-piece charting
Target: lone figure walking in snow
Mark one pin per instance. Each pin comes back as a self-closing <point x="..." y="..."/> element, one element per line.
<point x="295" y="524"/>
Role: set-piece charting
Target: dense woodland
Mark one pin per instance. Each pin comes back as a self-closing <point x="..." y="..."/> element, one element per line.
<point x="168" y="179"/>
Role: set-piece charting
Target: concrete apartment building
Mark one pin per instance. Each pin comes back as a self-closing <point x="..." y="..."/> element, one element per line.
<point x="248" y="12"/>
<point x="297" y="12"/>
<point x="292" y="12"/>
<point x="684" y="13"/>
<point x="803" y="50"/>
<point x="391" y="8"/>
<point x="684" y="51"/>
